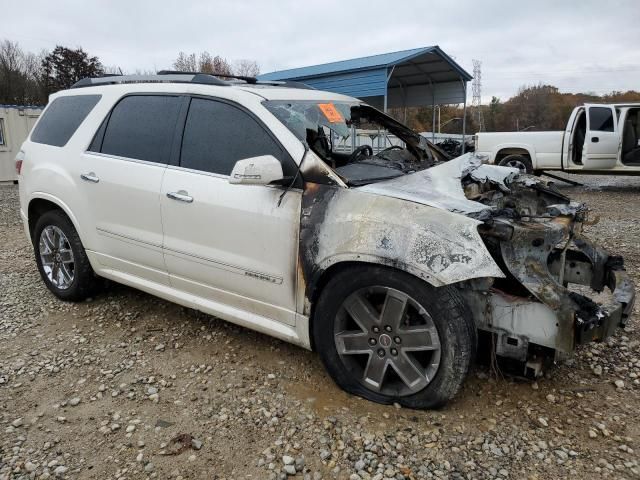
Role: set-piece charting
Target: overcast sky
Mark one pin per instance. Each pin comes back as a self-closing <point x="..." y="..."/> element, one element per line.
<point x="577" y="46"/>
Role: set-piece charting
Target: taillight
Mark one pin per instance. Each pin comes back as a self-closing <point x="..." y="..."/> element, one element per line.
<point x="19" y="160"/>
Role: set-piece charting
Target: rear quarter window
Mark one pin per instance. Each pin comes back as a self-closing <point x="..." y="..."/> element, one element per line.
<point x="62" y="118"/>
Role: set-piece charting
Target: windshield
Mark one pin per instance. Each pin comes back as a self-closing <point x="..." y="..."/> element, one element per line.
<point x="361" y="144"/>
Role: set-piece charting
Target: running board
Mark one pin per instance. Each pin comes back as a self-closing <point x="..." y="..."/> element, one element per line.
<point x="570" y="182"/>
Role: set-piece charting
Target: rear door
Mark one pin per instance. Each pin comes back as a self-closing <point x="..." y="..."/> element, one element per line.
<point x="121" y="174"/>
<point x="231" y="244"/>
<point x="602" y="139"/>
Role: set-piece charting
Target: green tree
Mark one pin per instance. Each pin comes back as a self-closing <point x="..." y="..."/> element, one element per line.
<point x="64" y="66"/>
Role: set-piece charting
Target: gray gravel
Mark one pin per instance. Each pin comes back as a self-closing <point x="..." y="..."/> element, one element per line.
<point x="129" y="386"/>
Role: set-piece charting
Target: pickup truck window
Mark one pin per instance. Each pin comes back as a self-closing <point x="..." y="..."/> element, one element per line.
<point x="601" y="119"/>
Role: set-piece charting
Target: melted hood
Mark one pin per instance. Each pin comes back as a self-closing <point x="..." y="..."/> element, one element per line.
<point x="441" y="186"/>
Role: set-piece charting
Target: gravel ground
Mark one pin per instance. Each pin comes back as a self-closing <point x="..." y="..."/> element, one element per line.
<point x="129" y="386"/>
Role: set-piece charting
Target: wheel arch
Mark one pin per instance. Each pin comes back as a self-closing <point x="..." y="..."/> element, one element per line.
<point x="316" y="285"/>
<point x="506" y="150"/>
<point x="40" y="203"/>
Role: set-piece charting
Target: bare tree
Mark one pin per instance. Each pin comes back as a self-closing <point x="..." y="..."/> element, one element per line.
<point x="185" y="63"/>
<point x="207" y="63"/>
<point x="246" y="68"/>
<point x="19" y="75"/>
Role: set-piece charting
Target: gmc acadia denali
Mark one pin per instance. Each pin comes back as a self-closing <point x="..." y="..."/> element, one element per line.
<point x="252" y="202"/>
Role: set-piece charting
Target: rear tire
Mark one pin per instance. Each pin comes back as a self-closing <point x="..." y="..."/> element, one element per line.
<point x="520" y="162"/>
<point x="394" y="364"/>
<point x="62" y="261"/>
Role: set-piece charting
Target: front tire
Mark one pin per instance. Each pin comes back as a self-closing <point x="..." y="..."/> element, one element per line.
<point x="389" y="337"/>
<point x="62" y="261"/>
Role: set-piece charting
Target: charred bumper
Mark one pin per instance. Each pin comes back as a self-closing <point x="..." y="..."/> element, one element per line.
<point x="561" y="289"/>
<point x="599" y="323"/>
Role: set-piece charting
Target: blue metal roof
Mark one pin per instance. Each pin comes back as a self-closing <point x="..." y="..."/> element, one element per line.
<point x="376" y="75"/>
<point x="381" y="60"/>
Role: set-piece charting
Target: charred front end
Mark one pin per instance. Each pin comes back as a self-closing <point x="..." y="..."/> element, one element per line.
<point x="560" y="288"/>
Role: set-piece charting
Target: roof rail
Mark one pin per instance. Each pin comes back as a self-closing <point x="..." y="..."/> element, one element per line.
<point x="171" y="76"/>
<point x="200" y="78"/>
<point x="245" y="78"/>
<point x="249" y="80"/>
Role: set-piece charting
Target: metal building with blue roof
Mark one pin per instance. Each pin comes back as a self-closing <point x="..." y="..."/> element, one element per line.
<point x="418" y="77"/>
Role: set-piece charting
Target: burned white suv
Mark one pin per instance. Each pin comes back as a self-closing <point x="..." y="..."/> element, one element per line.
<point x="260" y="204"/>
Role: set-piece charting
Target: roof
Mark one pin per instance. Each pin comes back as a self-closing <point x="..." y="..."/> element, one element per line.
<point x="416" y="77"/>
<point x="372" y="61"/>
<point x="233" y="91"/>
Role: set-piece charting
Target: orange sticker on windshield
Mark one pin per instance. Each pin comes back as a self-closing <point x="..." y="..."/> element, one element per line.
<point x="330" y="111"/>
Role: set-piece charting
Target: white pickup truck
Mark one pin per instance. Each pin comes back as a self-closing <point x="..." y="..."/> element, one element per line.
<point x="598" y="139"/>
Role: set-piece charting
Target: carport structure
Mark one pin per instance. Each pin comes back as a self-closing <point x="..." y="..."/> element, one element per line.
<point x="418" y="77"/>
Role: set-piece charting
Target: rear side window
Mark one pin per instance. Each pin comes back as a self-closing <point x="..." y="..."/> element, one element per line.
<point x="601" y="119"/>
<point x="141" y="127"/>
<point x="62" y="118"/>
<point x="217" y="135"/>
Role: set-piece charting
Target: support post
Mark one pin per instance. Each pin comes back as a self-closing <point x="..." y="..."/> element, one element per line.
<point x="464" y="115"/>
<point x="433" y="116"/>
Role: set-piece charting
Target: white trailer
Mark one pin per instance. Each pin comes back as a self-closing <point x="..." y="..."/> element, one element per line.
<point x="16" y="122"/>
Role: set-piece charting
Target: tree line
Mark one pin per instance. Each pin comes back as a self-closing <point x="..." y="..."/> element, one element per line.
<point x="533" y="108"/>
<point x="28" y="78"/>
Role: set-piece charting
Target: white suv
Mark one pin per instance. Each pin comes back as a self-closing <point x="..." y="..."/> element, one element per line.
<point x="255" y="203"/>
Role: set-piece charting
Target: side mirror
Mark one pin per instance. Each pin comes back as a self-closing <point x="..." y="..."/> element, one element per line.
<point x="261" y="170"/>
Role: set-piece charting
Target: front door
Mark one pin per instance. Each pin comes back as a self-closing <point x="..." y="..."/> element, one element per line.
<point x="230" y="244"/>
<point x="120" y="178"/>
<point x="602" y="140"/>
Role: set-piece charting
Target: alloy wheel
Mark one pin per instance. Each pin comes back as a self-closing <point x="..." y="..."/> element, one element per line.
<point x="387" y="340"/>
<point x="56" y="257"/>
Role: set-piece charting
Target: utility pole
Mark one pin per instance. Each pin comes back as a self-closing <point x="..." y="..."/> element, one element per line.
<point x="476" y="89"/>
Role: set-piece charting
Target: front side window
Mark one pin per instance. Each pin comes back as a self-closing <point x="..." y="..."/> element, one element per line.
<point x="2" y="140"/>
<point x="601" y="119"/>
<point x="62" y="118"/>
<point x="141" y="127"/>
<point x="217" y="135"/>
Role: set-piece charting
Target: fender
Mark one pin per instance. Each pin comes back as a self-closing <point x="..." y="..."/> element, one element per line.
<point x="521" y="146"/>
<point x="54" y="173"/>
<point x="347" y="225"/>
<point x="53" y="199"/>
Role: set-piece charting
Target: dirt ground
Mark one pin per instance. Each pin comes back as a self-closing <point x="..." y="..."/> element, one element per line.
<point x="101" y="389"/>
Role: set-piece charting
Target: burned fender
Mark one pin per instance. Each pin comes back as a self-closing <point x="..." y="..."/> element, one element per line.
<point x="351" y="225"/>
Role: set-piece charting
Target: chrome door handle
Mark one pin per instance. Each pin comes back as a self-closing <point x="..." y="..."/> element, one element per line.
<point x="90" y="177"/>
<point x="180" y="195"/>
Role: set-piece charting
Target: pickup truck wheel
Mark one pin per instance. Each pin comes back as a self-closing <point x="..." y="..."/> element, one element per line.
<point x="389" y="337"/>
<point x="520" y="162"/>
<point x="61" y="259"/>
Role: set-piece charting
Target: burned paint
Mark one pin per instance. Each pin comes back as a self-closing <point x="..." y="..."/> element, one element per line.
<point x="351" y="225"/>
<point x="466" y="223"/>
